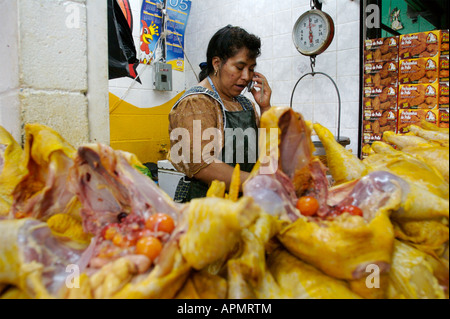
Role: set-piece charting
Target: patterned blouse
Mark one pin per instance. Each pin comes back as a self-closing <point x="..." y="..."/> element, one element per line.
<point x="203" y="108"/>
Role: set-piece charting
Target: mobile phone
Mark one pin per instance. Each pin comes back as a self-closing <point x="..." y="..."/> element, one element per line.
<point x="250" y="86"/>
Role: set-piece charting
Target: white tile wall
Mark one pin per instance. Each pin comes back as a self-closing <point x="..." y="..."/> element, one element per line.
<point x="272" y="21"/>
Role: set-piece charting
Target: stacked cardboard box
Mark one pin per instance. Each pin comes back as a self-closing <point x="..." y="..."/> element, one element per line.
<point x="380" y="89"/>
<point x="405" y="82"/>
<point x="419" y="77"/>
<point x="443" y="80"/>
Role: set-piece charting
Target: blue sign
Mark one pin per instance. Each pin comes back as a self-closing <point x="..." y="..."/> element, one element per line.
<point x="178" y="14"/>
<point x="151" y="28"/>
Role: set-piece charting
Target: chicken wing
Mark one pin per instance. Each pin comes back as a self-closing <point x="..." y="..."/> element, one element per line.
<point x="11" y="169"/>
<point x="36" y="261"/>
<point x="432" y="136"/>
<point x="42" y="191"/>
<point x="343" y="165"/>
<point x="412" y="275"/>
<point x="303" y="281"/>
<point x="435" y="156"/>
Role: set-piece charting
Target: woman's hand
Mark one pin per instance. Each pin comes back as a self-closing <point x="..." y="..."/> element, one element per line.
<point x="263" y="95"/>
<point x="222" y="172"/>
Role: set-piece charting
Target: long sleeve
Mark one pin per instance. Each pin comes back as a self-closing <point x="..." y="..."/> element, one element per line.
<point x="190" y="125"/>
<point x="196" y="132"/>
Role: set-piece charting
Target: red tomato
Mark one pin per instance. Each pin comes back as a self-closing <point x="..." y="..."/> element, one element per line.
<point x="109" y="231"/>
<point x="352" y="210"/>
<point x="119" y="240"/>
<point x="307" y="205"/>
<point x="160" y="222"/>
<point x="149" y="246"/>
<point x="144" y="233"/>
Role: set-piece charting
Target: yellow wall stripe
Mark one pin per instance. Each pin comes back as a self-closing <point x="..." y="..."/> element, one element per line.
<point x="141" y="131"/>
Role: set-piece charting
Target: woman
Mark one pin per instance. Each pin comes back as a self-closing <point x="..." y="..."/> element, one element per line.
<point x="217" y="103"/>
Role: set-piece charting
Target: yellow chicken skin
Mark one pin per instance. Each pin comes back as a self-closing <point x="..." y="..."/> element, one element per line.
<point x="430" y="236"/>
<point x="303" y="281"/>
<point x="432" y="127"/>
<point x="411" y="169"/>
<point x="432" y="136"/>
<point x="222" y="246"/>
<point x="425" y="191"/>
<point x="217" y="189"/>
<point x="423" y="221"/>
<point x="350" y="243"/>
<point x="406" y="140"/>
<point x="437" y="157"/>
<point x="286" y="168"/>
<point x="341" y="161"/>
<point x="395" y="162"/>
<point x="343" y="165"/>
<point x="68" y="226"/>
<point x="32" y="259"/>
<point x="203" y="285"/>
<point x="293" y="151"/>
<point x="14" y="293"/>
<point x="211" y="221"/>
<point x="412" y="275"/>
<point x="206" y="223"/>
<point x="250" y="274"/>
<point x="11" y="170"/>
<point x="434" y="156"/>
<point x="247" y="272"/>
<point x="42" y="191"/>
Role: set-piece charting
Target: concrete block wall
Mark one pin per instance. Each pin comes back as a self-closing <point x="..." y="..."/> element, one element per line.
<point x="53" y="66"/>
<point x="9" y="68"/>
<point x="45" y="79"/>
<point x="273" y="21"/>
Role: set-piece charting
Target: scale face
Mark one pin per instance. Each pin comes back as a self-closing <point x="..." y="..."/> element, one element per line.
<point x="312" y="35"/>
<point x="313" y="32"/>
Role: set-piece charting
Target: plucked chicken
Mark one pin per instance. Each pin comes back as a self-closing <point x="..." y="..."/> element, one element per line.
<point x="291" y="234"/>
<point x="11" y="169"/>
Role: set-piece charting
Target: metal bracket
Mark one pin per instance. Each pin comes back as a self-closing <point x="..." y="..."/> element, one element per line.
<point x="313" y="73"/>
<point x="316" y="4"/>
<point x="313" y="62"/>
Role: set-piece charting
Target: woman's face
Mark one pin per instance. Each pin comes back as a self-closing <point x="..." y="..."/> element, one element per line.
<point x="236" y="73"/>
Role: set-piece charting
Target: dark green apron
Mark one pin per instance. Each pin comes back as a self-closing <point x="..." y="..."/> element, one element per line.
<point x="243" y="120"/>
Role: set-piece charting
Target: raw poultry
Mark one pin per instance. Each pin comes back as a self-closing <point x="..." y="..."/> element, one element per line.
<point x="93" y="208"/>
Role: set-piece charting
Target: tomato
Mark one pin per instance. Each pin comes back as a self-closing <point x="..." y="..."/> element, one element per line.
<point x="307" y="205"/>
<point x="149" y="246"/>
<point x="109" y="231"/>
<point x="118" y="240"/>
<point x="144" y="233"/>
<point x="160" y="222"/>
<point x="352" y="210"/>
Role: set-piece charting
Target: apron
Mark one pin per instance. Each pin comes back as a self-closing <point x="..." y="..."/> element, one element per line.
<point x="242" y="120"/>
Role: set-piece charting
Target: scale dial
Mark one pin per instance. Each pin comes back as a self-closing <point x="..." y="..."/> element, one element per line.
<point x="313" y="32"/>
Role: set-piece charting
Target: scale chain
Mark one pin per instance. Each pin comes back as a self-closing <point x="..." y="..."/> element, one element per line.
<point x="313" y="62"/>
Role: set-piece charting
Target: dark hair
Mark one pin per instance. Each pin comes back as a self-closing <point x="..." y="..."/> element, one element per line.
<point x="226" y="43"/>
